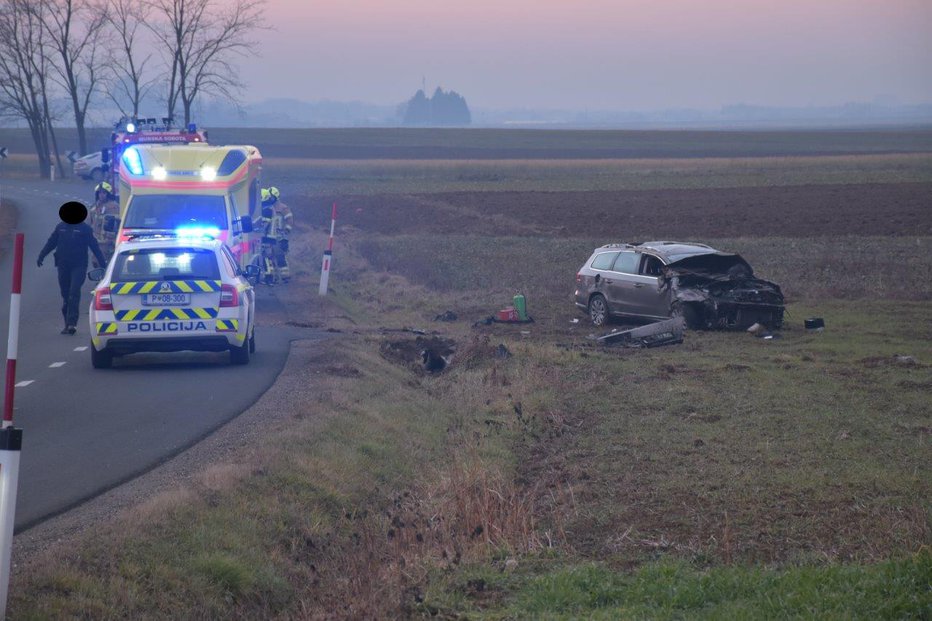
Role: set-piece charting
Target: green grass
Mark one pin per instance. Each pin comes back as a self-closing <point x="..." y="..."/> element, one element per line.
<point x="895" y="589"/>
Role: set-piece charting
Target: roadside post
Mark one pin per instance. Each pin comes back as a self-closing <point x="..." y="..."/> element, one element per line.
<point x="328" y="254"/>
<point x="3" y="154"/>
<point x="11" y="438"/>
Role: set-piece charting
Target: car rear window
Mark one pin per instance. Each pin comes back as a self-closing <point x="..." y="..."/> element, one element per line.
<point x="604" y="260"/>
<point x="165" y="264"/>
<point x="171" y="211"/>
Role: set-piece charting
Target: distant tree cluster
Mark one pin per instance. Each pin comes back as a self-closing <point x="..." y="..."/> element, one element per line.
<point x="443" y="108"/>
<point x="85" y="51"/>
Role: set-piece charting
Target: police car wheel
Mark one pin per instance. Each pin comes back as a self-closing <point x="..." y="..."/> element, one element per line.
<point x="252" y="342"/>
<point x="101" y="359"/>
<point x="240" y="355"/>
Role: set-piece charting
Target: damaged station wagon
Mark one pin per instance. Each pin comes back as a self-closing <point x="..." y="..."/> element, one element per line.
<point x="663" y="279"/>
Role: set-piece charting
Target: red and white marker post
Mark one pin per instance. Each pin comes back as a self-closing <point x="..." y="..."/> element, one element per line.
<point x="328" y="254"/>
<point x="11" y="438"/>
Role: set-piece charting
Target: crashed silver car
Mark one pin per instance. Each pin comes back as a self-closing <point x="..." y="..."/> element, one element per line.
<point x="662" y="279"/>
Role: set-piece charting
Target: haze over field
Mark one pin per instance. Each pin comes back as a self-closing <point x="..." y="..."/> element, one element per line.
<point x="599" y="54"/>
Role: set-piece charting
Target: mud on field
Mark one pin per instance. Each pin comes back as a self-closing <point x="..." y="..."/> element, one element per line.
<point x="794" y="211"/>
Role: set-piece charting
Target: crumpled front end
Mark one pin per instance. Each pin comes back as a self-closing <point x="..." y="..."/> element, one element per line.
<point x="720" y="291"/>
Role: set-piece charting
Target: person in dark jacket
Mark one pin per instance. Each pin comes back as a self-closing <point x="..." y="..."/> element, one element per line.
<point x="71" y="240"/>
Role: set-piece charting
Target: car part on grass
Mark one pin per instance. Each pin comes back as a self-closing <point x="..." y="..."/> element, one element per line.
<point x="666" y="332"/>
<point x="815" y="324"/>
<point x="446" y="316"/>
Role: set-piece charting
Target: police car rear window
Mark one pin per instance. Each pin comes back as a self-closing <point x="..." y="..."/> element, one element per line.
<point x="171" y="211"/>
<point x="166" y="264"/>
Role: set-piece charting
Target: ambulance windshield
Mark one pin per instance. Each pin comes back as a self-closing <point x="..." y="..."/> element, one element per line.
<point x="173" y="211"/>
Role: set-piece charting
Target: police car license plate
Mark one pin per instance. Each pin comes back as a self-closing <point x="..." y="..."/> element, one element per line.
<point x="166" y="299"/>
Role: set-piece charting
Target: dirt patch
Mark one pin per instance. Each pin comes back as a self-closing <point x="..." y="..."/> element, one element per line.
<point x="792" y="211"/>
<point x="419" y="354"/>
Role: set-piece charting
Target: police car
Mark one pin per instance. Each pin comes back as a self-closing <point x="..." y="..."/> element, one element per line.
<point x="172" y="291"/>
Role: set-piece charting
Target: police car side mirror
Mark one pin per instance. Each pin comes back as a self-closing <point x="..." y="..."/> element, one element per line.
<point x="96" y="274"/>
<point x="252" y="271"/>
<point x="111" y="224"/>
<point x="246" y="223"/>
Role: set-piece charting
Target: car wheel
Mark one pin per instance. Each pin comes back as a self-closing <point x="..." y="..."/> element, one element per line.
<point x="689" y="313"/>
<point x="240" y="355"/>
<point x="97" y="175"/>
<point x="101" y="359"/>
<point x="252" y="342"/>
<point x="598" y="310"/>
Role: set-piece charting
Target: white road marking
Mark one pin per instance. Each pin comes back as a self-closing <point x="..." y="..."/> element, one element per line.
<point x="24" y="383"/>
<point x="55" y="365"/>
<point x="80" y="348"/>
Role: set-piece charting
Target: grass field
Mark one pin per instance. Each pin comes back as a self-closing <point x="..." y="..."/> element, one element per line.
<point x="727" y="477"/>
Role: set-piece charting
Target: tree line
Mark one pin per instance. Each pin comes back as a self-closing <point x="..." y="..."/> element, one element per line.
<point x="443" y="108"/>
<point x="88" y="51"/>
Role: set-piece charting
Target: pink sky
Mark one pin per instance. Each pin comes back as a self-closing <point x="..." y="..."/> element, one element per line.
<point x="599" y="54"/>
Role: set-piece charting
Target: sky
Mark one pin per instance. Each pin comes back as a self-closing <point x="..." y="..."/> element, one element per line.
<point x="597" y="54"/>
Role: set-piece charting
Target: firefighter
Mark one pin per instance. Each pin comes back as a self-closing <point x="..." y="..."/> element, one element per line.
<point x="282" y="224"/>
<point x="269" y="239"/>
<point x="105" y="208"/>
<point x="71" y="240"/>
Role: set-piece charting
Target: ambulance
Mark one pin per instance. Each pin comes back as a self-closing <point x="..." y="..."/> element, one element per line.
<point x="172" y="181"/>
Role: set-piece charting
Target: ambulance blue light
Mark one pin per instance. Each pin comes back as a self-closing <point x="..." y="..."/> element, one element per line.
<point x="133" y="161"/>
<point x="198" y="231"/>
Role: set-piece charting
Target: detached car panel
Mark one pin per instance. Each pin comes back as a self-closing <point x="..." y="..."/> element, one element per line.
<point x="659" y="280"/>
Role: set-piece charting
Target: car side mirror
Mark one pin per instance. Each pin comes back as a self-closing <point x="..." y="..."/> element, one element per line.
<point x="96" y="274"/>
<point x="111" y="224"/>
<point x="246" y="223"/>
<point x="252" y="270"/>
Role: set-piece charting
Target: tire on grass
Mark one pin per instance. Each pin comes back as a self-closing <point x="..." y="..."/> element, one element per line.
<point x="690" y="313"/>
<point x="598" y="310"/>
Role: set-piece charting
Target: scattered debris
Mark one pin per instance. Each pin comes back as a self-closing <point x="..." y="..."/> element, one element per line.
<point x="666" y="332"/>
<point x="496" y="319"/>
<point x="509" y="314"/>
<point x="429" y="354"/>
<point x="446" y="316"/>
<point x="435" y="362"/>
<point x="905" y="361"/>
<point x="815" y="324"/>
<point x="502" y="352"/>
<point x="574" y="320"/>
<point x="760" y="331"/>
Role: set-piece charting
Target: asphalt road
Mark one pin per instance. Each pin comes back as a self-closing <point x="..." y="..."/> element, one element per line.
<point x="87" y="430"/>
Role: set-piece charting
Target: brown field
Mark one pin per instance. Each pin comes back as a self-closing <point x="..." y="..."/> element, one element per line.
<point x="795" y="211"/>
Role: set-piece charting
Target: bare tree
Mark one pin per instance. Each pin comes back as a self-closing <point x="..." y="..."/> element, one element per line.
<point x="75" y="29"/>
<point x="199" y="40"/>
<point x="129" y="62"/>
<point x="24" y="65"/>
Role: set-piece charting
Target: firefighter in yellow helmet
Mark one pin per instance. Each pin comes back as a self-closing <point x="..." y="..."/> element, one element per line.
<point x="267" y="226"/>
<point x="105" y="218"/>
<point x="279" y="224"/>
